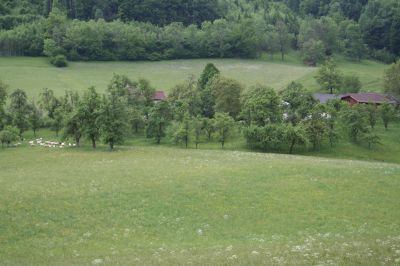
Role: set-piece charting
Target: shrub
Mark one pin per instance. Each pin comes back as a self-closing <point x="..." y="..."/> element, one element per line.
<point x="59" y="61"/>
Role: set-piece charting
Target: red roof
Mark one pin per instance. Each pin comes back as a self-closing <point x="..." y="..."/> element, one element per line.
<point x="159" y="96"/>
<point x="369" y="98"/>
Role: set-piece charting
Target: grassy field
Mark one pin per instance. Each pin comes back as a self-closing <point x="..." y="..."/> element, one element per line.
<point x="34" y="74"/>
<point x="159" y="205"/>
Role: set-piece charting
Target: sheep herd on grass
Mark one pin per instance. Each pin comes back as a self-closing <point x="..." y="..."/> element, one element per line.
<point x="50" y="144"/>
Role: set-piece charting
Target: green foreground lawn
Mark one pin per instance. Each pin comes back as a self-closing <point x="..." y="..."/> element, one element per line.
<point x="34" y="74"/>
<point x="168" y="206"/>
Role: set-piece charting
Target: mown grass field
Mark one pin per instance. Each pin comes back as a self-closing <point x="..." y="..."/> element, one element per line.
<point x="34" y="74"/>
<point x="169" y="206"/>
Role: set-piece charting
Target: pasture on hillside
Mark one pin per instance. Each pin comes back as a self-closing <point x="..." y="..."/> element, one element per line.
<point x="34" y="74"/>
<point x="152" y="205"/>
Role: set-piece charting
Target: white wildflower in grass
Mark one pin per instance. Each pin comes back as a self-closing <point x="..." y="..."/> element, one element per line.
<point x="87" y="234"/>
<point x="255" y="253"/>
<point x="233" y="257"/>
<point x="229" y="248"/>
<point x="199" y="232"/>
<point x="97" y="261"/>
<point x="226" y="217"/>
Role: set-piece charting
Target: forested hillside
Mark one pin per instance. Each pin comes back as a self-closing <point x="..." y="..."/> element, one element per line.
<point x="156" y="30"/>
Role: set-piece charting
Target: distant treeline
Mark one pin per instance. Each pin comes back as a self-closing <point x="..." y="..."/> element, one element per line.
<point x="155" y="30"/>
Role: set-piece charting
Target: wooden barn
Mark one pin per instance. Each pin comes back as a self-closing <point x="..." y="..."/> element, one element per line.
<point x="159" y="96"/>
<point x="368" y="98"/>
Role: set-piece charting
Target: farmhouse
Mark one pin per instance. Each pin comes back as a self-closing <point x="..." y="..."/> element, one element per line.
<point x="368" y="98"/>
<point x="159" y="96"/>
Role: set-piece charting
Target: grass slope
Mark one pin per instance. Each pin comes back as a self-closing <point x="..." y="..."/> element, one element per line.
<point x="157" y="205"/>
<point x="34" y="74"/>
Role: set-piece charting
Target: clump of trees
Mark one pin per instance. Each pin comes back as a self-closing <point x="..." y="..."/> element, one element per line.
<point x="212" y="108"/>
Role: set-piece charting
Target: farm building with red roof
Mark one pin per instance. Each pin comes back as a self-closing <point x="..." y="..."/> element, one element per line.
<point x="159" y="96"/>
<point x="368" y="98"/>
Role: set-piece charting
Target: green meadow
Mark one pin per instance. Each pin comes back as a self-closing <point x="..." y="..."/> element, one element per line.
<point x="34" y="74"/>
<point x="147" y="205"/>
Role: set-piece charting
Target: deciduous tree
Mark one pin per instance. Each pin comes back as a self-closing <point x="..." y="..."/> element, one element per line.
<point x="223" y="125"/>
<point x="329" y="77"/>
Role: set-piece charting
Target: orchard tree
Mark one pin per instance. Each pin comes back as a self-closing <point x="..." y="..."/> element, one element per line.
<point x="197" y="126"/>
<point x="48" y="102"/>
<point x="35" y="117"/>
<point x="387" y="113"/>
<point x="8" y="135"/>
<point x="136" y="118"/>
<point x="372" y="139"/>
<point x="227" y="95"/>
<point x="295" y="135"/>
<point x="316" y="126"/>
<point x="91" y="112"/>
<point x="298" y="102"/>
<point x="392" y="79"/>
<point x="332" y="112"/>
<point x="207" y="100"/>
<point x="19" y="110"/>
<point x="355" y="121"/>
<point x="210" y="71"/>
<point x="182" y="133"/>
<point x="158" y="120"/>
<point x="223" y="124"/>
<point x="74" y="125"/>
<point x="186" y="95"/>
<point x="261" y="105"/>
<point x="56" y="124"/>
<point x="329" y="77"/>
<point x="209" y="127"/>
<point x="372" y="114"/>
<point x="113" y="120"/>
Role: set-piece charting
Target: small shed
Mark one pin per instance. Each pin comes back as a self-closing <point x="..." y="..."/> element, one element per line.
<point x="368" y="98"/>
<point x="159" y="96"/>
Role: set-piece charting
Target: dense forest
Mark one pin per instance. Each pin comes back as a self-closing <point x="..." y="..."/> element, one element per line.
<point x="156" y="30"/>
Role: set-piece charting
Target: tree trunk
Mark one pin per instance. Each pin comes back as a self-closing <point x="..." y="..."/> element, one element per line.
<point x="93" y="142"/>
<point x="78" y="141"/>
<point x="196" y="145"/>
<point x="34" y="133"/>
<point x="111" y="145"/>
<point x="291" y="147"/>
<point x="223" y="144"/>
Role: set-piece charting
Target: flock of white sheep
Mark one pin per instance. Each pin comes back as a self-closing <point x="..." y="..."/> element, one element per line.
<point x="50" y="144"/>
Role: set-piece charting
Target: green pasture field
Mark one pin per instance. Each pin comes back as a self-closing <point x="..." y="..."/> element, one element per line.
<point x="148" y="205"/>
<point x="34" y="74"/>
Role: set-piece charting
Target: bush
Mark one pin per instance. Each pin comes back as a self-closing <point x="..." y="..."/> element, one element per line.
<point x="59" y="61"/>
